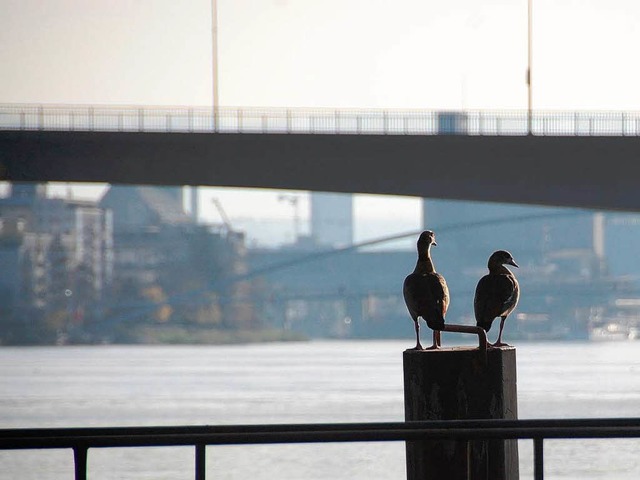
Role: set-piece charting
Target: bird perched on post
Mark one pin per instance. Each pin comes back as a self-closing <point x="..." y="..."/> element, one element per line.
<point x="497" y="293"/>
<point x="425" y="292"/>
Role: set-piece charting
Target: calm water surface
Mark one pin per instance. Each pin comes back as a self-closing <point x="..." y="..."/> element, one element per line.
<point x="315" y="382"/>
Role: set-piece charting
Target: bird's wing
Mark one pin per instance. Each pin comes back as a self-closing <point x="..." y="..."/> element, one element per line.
<point x="496" y="295"/>
<point x="409" y="291"/>
<point x="442" y="291"/>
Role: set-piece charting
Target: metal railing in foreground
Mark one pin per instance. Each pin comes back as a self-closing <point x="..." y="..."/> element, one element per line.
<point x="81" y="439"/>
<point x="105" y="118"/>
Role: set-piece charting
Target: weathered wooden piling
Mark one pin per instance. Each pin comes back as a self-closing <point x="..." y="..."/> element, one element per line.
<point x="461" y="384"/>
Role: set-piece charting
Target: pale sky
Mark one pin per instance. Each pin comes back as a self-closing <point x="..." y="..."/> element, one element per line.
<point x="343" y="53"/>
<point x="332" y="53"/>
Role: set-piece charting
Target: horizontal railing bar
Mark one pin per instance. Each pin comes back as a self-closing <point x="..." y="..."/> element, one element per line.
<point x="285" y="427"/>
<point x="154" y="118"/>
<point x="269" y="434"/>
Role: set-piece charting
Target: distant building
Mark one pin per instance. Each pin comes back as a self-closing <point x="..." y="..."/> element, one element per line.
<point x="148" y="226"/>
<point x="332" y="219"/>
<point x="165" y="260"/>
<point x="57" y="258"/>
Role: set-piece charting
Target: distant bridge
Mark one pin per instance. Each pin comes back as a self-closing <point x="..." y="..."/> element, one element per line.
<point x="577" y="159"/>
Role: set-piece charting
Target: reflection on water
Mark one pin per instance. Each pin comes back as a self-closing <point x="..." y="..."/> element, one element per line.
<point x="312" y="382"/>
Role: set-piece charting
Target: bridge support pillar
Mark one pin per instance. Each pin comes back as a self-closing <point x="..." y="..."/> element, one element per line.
<point x="457" y="384"/>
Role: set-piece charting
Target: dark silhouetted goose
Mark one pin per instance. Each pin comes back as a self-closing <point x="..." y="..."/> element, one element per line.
<point x="497" y="293"/>
<point x="425" y="292"/>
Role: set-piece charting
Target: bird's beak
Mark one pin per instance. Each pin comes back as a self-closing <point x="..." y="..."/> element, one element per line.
<point x="434" y="243"/>
<point x="513" y="262"/>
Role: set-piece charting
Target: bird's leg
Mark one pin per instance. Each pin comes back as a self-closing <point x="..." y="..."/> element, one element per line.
<point x="418" y="345"/>
<point x="436" y="341"/>
<point x="438" y="337"/>
<point x="498" y="342"/>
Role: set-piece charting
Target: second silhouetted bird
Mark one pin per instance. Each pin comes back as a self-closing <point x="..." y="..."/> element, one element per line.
<point x="497" y="293"/>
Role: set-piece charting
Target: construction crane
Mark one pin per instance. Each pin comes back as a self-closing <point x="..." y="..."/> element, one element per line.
<point x="223" y="214"/>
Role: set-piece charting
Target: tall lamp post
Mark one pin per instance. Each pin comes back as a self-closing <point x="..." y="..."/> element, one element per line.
<point x="529" y="55"/>
<point x="214" y="62"/>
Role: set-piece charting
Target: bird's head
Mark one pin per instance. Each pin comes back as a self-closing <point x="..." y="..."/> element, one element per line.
<point x="426" y="239"/>
<point x="502" y="257"/>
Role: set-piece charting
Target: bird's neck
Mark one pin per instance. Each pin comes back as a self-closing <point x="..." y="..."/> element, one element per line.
<point x="425" y="264"/>
<point x="499" y="270"/>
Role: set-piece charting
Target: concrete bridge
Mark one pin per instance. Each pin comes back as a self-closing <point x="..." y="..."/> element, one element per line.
<point x="577" y="159"/>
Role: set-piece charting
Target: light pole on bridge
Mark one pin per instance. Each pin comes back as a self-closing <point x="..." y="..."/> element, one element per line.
<point x="529" y="58"/>
<point x="214" y="62"/>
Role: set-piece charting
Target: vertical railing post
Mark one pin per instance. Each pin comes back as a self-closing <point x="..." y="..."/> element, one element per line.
<point x="92" y="119"/>
<point x="538" y="459"/>
<point x="40" y="117"/>
<point x="80" y="462"/>
<point x="201" y="461"/>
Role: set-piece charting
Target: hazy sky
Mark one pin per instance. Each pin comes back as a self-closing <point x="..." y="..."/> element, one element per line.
<point x="363" y="53"/>
<point x="333" y="53"/>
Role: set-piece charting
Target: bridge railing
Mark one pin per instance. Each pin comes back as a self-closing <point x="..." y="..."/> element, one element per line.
<point x="82" y="439"/>
<point x="315" y="120"/>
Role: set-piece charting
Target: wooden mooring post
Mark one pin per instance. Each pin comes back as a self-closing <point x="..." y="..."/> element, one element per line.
<point x="460" y="384"/>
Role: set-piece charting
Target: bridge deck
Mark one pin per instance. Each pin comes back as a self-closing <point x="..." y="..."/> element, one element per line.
<point x="579" y="171"/>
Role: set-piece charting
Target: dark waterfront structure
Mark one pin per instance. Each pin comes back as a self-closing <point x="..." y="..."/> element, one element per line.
<point x="461" y="384"/>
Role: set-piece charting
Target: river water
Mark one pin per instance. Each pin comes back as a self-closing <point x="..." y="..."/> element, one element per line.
<point x="306" y="382"/>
